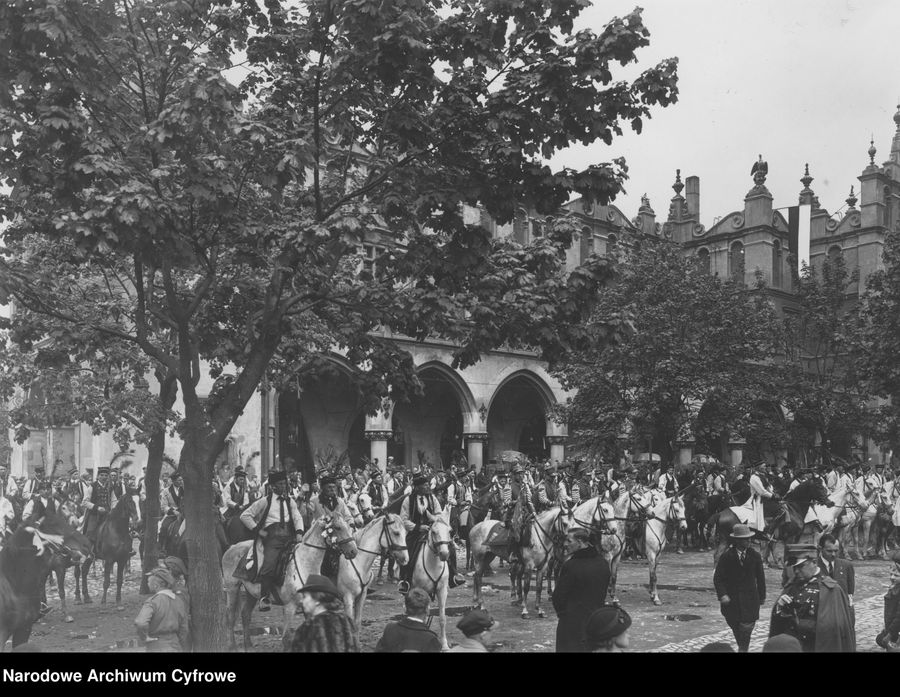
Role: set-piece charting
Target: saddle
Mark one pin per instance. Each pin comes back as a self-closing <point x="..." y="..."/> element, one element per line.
<point x="499" y="542"/>
<point x="248" y="567"/>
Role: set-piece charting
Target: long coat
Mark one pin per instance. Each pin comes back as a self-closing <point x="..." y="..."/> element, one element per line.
<point x="844" y="574"/>
<point x="581" y="589"/>
<point x="408" y="635"/>
<point x="745" y="585"/>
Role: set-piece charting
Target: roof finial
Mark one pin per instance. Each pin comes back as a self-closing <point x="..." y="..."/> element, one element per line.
<point x="759" y="171"/>
<point x="897" y="115"/>
<point x="678" y="186"/>
<point x="872" y="150"/>
<point x="806" y="179"/>
<point x="851" y="200"/>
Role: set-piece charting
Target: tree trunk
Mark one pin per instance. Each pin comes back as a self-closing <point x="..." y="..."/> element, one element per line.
<point x="204" y="556"/>
<point x="155" y="450"/>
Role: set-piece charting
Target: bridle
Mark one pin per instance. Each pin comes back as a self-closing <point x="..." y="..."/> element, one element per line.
<point x="327" y="527"/>
<point x="385" y="542"/>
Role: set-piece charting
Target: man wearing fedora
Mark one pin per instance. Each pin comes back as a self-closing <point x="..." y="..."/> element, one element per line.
<point x="740" y="583"/>
<point x="411" y="633"/>
<point x="812" y="606"/>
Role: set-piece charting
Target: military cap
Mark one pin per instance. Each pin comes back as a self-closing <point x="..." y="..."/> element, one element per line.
<point x="105" y="470"/>
<point x="175" y="565"/>
<point x="799" y="553"/>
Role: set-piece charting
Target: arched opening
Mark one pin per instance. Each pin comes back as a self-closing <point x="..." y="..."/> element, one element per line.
<point x="777" y="264"/>
<point x="587" y="243"/>
<point x="431" y="426"/>
<point x="517" y="418"/>
<point x="834" y="252"/>
<point x="703" y="259"/>
<point x="612" y="243"/>
<point x="736" y="261"/>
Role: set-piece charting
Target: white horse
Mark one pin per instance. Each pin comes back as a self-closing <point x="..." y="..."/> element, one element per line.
<point x="859" y="525"/>
<point x="548" y="528"/>
<point x="431" y="570"/>
<point x="306" y="559"/>
<point x="7" y="516"/>
<point x="658" y="516"/>
<point x="608" y="521"/>
<point x="382" y="535"/>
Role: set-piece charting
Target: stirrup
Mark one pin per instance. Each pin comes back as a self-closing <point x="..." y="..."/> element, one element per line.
<point x="265" y="604"/>
<point x="403" y="587"/>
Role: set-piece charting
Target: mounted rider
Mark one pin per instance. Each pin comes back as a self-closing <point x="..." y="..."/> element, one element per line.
<point x="374" y="497"/>
<point x="418" y="511"/>
<point x="40" y="504"/>
<point x="520" y="514"/>
<point x="170" y="499"/>
<point x="667" y="483"/>
<point x="718" y="488"/>
<point x="547" y="491"/>
<point x="236" y="495"/>
<point x="329" y="503"/>
<point x="117" y="486"/>
<point x="100" y="503"/>
<point x="275" y="520"/>
<point x="8" y="486"/>
<point x="758" y="493"/>
<point x="30" y="487"/>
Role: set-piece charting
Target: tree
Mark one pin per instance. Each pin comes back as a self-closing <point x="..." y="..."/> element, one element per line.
<point x="695" y="339"/>
<point x="819" y="378"/>
<point x="228" y="219"/>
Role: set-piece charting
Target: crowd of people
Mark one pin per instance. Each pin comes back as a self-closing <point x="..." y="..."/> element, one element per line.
<point x="813" y="611"/>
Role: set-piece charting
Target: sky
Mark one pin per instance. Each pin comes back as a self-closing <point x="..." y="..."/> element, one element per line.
<point x="797" y="81"/>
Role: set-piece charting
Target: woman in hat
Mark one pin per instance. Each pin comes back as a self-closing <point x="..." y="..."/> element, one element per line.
<point x="476" y="626"/>
<point x="606" y="630"/>
<point x="327" y="628"/>
<point x="162" y="622"/>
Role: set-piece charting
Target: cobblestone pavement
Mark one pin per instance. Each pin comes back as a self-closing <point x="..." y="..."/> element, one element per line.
<point x="688" y="619"/>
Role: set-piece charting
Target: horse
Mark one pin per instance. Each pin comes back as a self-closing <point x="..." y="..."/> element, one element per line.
<point x="7" y="518"/>
<point x="609" y="522"/>
<point x="658" y="518"/>
<point x="431" y="570"/>
<point x="548" y="528"/>
<point x="785" y="520"/>
<point x="696" y="511"/>
<point x="24" y="567"/>
<point x="62" y="560"/>
<point x="384" y="534"/>
<point x="484" y="500"/>
<point x="305" y="559"/>
<point x="114" y="545"/>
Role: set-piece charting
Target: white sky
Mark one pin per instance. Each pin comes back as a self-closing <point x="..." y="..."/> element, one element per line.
<point x="794" y="80"/>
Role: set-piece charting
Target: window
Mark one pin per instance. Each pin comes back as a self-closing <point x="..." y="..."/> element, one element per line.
<point x="611" y="244"/>
<point x="520" y="226"/>
<point x="777" y="264"/>
<point x="834" y="252"/>
<point x="587" y="243"/>
<point x="703" y="259"/>
<point x="736" y="262"/>
<point x="370" y="253"/>
<point x="536" y="229"/>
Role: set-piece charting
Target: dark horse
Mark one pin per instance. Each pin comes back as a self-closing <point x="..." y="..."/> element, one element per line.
<point x="114" y="546"/>
<point x="24" y="567"/>
<point x="696" y="508"/>
<point x="176" y="546"/>
<point x="784" y="519"/>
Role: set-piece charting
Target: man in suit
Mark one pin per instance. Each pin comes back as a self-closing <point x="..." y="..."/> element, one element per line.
<point x="841" y="570"/>
<point x="581" y="589"/>
<point x="410" y="634"/>
<point x="740" y="583"/>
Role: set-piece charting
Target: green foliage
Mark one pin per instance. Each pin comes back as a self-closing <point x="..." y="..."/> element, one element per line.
<point x="695" y="338"/>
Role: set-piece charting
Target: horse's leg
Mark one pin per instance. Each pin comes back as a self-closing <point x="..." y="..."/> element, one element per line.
<point x="120" y="575"/>
<point x="232" y="602"/>
<point x="107" y="570"/>
<point x="613" y="576"/>
<point x="246" y="611"/>
<point x="526" y="588"/>
<point x="515" y="583"/>
<point x="85" y="570"/>
<point x="652" y="561"/>
<point x="290" y="609"/>
<point x="61" y="588"/>
<point x="477" y="595"/>
<point x="539" y="590"/>
<point x="442" y="612"/>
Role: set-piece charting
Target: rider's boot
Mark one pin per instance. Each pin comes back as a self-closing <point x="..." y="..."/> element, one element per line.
<point x="265" y="602"/>
<point x="405" y="574"/>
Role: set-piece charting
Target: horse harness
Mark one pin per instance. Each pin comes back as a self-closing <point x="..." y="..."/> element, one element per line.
<point x="389" y="543"/>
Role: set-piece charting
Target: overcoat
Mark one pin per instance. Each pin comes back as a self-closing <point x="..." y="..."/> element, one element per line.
<point x="745" y="585"/>
<point x="581" y="589"/>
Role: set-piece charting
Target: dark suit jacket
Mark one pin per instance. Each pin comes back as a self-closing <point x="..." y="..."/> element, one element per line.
<point x="408" y="635"/>
<point x="744" y="585"/>
<point x="581" y="589"/>
<point x="844" y="574"/>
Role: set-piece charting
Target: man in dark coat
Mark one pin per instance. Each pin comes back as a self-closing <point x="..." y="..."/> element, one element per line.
<point x="841" y="570"/>
<point x="410" y="634"/>
<point x="581" y="589"/>
<point x="740" y="583"/>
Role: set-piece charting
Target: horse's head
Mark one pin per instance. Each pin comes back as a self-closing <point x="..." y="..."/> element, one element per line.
<point x="393" y="538"/>
<point x="440" y="535"/>
<point x="338" y="536"/>
<point x="60" y="536"/>
<point x="676" y="511"/>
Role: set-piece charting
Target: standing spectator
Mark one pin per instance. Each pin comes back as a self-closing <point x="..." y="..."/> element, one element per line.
<point x="889" y="637"/>
<point x="740" y="583"/>
<point x="581" y="589"/>
<point x="812" y="606"/>
<point x="327" y="628"/>
<point x="606" y="630"/>
<point x="476" y="626"/>
<point x="162" y="622"/>
<point x="841" y="570"/>
<point x="410" y="634"/>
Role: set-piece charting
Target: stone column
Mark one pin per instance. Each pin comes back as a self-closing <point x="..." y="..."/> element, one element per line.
<point x="557" y="448"/>
<point x="736" y="448"/>
<point x="685" y="451"/>
<point x="475" y="449"/>
<point x="378" y="441"/>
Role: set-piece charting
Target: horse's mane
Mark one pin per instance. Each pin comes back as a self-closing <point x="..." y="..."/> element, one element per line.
<point x="806" y="491"/>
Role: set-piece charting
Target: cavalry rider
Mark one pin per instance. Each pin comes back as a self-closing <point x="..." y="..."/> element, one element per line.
<point x="117" y="486"/>
<point x="503" y="496"/>
<point x="718" y="491"/>
<point x="236" y="494"/>
<point x="329" y="503"/>
<point x="844" y="480"/>
<point x="547" y="492"/>
<point x="758" y="492"/>
<point x="374" y="497"/>
<point x="30" y="487"/>
<point x="277" y="522"/>
<point x="667" y="482"/>
<point x="40" y="504"/>
<point x="170" y="506"/>
<point x="418" y="511"/>
<point x="100" y="503"/>
<point x="520" y="514"/>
